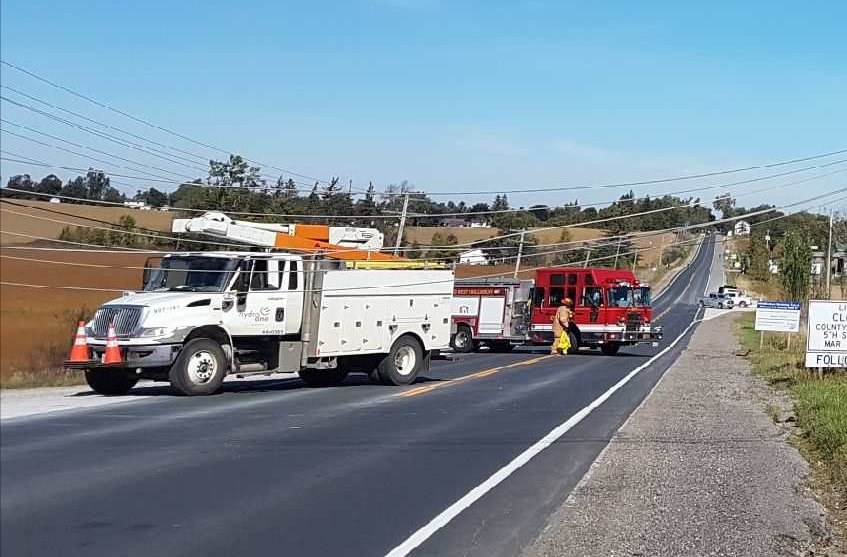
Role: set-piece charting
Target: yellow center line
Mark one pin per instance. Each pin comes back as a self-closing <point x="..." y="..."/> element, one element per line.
<point x="423" y="389"/>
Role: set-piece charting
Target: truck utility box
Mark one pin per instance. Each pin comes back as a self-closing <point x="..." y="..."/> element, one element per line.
<point x="364" y="311"/>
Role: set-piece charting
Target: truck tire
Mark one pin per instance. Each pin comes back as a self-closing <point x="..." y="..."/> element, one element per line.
<point x="574" y="343"/>
<point x="610" y="349"/>
<point x="403" y="362"/>
<point x="323" y="377"/>
<point x="462" y="342"/>
<point x="110" y="382"/>
<point x="199" y="369"/>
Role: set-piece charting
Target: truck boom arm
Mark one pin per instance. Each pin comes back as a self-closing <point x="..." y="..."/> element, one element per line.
<point x="337" y="242"/>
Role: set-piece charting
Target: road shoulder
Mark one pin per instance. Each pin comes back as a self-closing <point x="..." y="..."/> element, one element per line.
<point x="698" y="469"/>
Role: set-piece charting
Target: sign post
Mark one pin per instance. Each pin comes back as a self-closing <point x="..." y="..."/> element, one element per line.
<point x="827" y="340"/>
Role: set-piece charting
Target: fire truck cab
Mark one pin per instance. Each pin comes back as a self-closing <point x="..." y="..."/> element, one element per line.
<point x="611" y="308"/>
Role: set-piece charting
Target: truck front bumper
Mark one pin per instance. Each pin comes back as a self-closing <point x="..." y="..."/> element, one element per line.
<point x="133" y="356"/>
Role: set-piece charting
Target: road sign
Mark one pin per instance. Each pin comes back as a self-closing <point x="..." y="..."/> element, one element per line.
<point x="783" y="317"/>
<point x="827" y="341"/>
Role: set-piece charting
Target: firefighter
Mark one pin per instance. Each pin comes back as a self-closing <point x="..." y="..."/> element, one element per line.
<point x="561" y="323"/>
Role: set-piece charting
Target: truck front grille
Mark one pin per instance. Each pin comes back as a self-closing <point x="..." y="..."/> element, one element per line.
<point x="125" y="319"/>
<point x="633" y="321"/>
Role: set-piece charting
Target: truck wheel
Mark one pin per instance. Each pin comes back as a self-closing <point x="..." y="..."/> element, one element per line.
<point x="199" y="369"/>
<point x="610" y="349"/>
<point x="462" y="341"/>
<point x="403" y="362"/>
<point x="574" y="343"/>
<point x="323" y="377"/>
<point x="110" y="382"/>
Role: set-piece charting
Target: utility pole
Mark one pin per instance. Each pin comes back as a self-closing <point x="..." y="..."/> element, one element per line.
<point x="634" y="261"/>
<point x="618" y="251"/>
<point x="587" y="257"/>
<point x="402" y="224"/>
<point x="829" y="259"/>
<point x="520" y="254"/>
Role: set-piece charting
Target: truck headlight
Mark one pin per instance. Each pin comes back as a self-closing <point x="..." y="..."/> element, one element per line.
<point x="154" y="332"/>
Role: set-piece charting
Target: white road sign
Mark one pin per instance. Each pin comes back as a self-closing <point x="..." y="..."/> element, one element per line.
<point x="827" y="341"/>
<point x="783" y="317"/>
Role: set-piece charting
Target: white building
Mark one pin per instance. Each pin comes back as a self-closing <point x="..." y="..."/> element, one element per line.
<point x="473" y="257"/>
<point x="741" y="228"/>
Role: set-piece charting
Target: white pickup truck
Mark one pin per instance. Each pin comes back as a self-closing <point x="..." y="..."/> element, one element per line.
<point x="719" y="301"/>
<point x="739" y="297"/>
<point x="203" y="315"/>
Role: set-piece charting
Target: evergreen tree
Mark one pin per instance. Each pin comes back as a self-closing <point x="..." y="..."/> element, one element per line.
<point x="796" y="265"/>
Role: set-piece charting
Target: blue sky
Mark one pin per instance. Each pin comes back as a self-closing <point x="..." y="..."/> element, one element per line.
<point x="452" y="96"/>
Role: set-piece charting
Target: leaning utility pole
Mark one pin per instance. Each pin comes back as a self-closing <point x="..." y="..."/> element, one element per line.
<point x="618" y="251"/>
<point x="829" y="259"/>
<point x="402" y="224"/>
<point x="520" y="253"/>
<point x="587" y="257"/>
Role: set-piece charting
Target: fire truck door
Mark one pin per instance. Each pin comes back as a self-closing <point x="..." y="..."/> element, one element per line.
<point x="491" y="315"/>
<point x="590" y="308"/>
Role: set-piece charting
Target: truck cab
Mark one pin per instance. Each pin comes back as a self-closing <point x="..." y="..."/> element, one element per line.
<point x="611" y="308"/>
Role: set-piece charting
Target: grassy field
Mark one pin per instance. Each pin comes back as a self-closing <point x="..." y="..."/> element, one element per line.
<point x="647" y="259"/>
<point x="52" y="217"/>
<point x="820" y="408"/>
<point x="37" y="325"/>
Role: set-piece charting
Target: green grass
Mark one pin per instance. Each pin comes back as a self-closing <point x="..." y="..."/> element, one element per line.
<point x="820" y="403"/>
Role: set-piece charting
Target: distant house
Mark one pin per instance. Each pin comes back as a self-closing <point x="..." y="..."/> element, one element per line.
<point x="838" y="261"/>
<point x="741" y="228"/>
<point x="473" y="257"/>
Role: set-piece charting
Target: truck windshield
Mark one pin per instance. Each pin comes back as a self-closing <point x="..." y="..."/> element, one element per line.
<point x="626" y="296"/>
<point x="191" y="274"/>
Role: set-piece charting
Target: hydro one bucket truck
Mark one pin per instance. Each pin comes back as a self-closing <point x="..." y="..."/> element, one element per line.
<point x="326" y="306"/>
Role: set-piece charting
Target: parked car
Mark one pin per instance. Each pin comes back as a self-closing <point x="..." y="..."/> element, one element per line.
<point x="740" y="298"/>
<point x="719" y="301"/>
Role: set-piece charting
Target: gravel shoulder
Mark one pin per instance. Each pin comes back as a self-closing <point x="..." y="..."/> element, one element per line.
<point x="698" y="469"/>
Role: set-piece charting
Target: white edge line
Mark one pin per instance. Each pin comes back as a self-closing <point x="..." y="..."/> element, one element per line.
<point x="451" y="512"/>
<point x="679" y="273"/>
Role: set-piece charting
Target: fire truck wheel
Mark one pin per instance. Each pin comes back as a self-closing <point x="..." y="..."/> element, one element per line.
<point x="401" y="365"/>
<point x="610" y="349"/>
<point x="110" y="382"/>
<point x="574" y="343"/>
<point x="462" y="341"/>
<point x="323" y="377"/>
<point x="199" y="369"/>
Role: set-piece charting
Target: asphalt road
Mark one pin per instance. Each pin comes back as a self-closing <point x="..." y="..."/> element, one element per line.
<point x="276" y="468"/>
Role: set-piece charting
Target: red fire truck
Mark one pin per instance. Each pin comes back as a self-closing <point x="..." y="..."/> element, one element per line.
<point x="611" y="308"/>
<point x="490" y="312"/>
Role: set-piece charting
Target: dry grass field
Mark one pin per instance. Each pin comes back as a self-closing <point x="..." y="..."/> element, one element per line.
<point x="14" y="222"/>
<point x="37" y="325"/>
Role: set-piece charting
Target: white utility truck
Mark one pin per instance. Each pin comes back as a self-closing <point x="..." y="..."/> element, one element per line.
<point x="203" y="315"/>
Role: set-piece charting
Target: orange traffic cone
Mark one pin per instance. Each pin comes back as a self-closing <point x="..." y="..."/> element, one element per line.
<point x="79" y="351"/>
<point x="113" y="352"/>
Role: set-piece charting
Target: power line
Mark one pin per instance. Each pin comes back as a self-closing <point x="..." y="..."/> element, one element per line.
<point x="513" y="191"/>
<point x="147" y="123"/>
